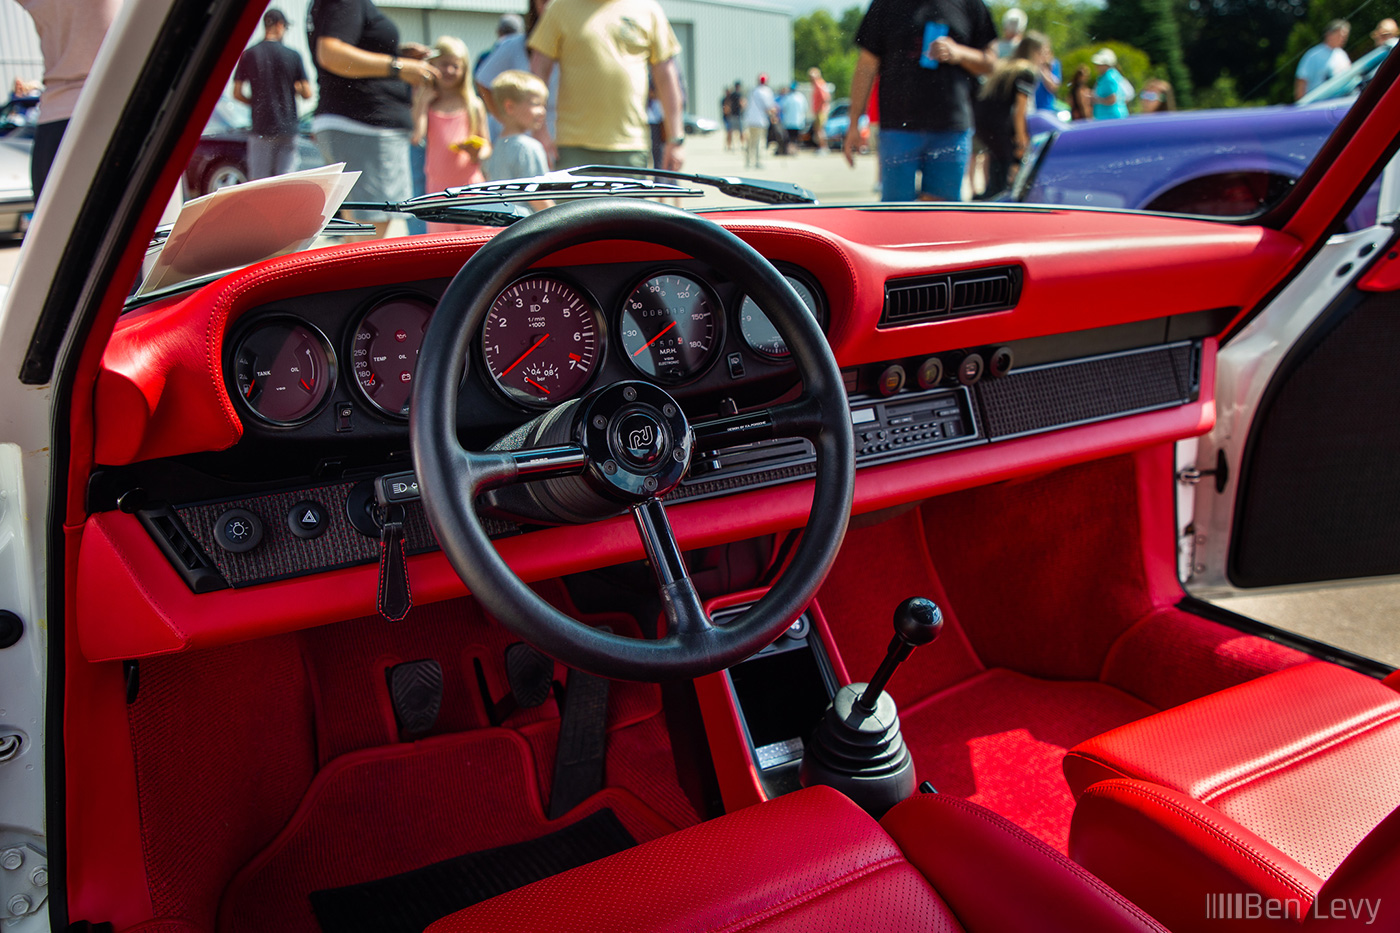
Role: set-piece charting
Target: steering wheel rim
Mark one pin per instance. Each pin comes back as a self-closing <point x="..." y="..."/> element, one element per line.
<point x="450" y="477"/>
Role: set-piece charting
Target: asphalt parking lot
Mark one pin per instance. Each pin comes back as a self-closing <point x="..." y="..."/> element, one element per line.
<point x="1363" y="618"/>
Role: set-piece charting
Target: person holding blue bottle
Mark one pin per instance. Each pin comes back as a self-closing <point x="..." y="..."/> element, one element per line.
<point x="927" y="55"/>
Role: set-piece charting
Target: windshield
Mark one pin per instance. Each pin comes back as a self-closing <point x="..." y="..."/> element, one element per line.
<point x="1196" y="109"/>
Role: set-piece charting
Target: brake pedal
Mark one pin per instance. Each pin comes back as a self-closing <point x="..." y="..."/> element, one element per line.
<point x="530" y="675"/>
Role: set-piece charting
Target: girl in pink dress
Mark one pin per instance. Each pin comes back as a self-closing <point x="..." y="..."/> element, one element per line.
<point x="452" y="120"/>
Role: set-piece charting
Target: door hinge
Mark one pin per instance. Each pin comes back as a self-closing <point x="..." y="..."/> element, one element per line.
<point x="1192" y="475"/>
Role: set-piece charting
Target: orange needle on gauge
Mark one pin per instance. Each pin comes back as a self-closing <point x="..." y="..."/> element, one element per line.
<point x="533" y="346"/>
<point x="652" y="340"/>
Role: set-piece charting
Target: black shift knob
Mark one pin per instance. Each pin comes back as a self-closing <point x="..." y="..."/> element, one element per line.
<point x="917" y="621"/>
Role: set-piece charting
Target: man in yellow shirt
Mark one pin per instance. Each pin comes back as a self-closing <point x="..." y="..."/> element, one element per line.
<point x="604" y="50"/>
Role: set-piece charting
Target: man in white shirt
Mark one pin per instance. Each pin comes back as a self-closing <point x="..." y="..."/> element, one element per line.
<point x="758" y="113"/>
<point x="1325" y="60"/>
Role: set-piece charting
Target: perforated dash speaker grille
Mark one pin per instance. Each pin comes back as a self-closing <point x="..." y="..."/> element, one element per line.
<point x="1059" y="395"/>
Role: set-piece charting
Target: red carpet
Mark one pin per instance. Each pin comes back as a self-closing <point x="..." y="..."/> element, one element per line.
<point x="998" y="739"/>
<point x="384" y="811"/>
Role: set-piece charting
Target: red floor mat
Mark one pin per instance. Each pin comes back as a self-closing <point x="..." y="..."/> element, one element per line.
<point x="998" y="739"/>
<point x="384" y="811"/>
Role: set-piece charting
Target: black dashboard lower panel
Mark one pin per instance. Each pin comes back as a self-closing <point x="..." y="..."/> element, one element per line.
<point x="906" y="425"/>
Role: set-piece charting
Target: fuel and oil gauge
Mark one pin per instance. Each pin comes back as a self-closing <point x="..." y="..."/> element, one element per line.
<point x="283" y="371"/>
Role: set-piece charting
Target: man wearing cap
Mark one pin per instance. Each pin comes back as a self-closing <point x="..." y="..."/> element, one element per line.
<point x="267" y="76"/>
<point x="1112" y="92"/>
<point x="1325" y="60"/>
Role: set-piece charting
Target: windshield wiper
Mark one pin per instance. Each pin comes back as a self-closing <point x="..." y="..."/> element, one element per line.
<point x="498" y="203"/>
<point x="748" y="189"/>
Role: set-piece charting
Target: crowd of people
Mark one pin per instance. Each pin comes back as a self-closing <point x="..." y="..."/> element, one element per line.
<point x="548" y="94"/>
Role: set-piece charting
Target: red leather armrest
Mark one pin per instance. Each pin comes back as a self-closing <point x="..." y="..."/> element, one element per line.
<point x="996" y="876"/>
<point x="1166" y="852"/>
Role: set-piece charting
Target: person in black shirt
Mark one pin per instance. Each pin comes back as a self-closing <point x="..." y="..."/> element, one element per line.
<point x="267" y="76"/>
<point x="364" y="115"/>
<point x="926" y="54"/>
<point x="1002" y="105"/>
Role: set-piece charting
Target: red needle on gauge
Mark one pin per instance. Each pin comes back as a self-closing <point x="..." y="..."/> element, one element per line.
<point x="537" y="385"/>
<point x="654" y="339"/>
<point x="532" y="349"/>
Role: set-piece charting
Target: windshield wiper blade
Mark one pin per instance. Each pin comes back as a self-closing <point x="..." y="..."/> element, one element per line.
<point x="495" y="203"/>
<point x="748" y="189"/>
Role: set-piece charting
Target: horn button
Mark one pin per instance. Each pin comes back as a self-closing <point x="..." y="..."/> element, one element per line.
<point x="637" y="440"/>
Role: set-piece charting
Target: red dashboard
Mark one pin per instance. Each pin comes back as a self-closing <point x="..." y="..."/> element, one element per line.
<point x="1092" y="286"/>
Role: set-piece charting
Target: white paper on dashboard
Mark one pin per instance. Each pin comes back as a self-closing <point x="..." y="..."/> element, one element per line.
<point x="243" y="224"/>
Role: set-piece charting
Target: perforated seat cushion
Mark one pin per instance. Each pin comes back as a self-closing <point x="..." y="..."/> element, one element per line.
<point x="813" y="861"/>
<point x="1308" y="758"/>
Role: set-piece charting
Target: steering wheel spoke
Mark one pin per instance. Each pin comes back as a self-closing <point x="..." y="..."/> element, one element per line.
<point x="685" y="614"/>
<point x="490" y="469"/>
<point x="801" y="417"/>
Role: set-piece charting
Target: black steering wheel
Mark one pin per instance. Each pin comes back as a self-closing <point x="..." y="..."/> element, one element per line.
<point x="623" y="446"/>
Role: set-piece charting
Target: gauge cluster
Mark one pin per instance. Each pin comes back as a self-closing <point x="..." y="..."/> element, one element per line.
<point x="345" y="363"/>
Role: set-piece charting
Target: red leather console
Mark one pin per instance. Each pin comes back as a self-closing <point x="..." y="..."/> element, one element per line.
<point x="812" y="860"/>
<point x="1267" y="787"/>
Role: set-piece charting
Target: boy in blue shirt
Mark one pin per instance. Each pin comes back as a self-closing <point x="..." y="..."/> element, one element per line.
<point x="521" y="97"/>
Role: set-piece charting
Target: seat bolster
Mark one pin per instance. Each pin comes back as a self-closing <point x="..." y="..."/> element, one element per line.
<point x="1218" y="742"/>
<point x="1167" y="852"/>
<point x="995" y="876"/>
<point x="808" y="860"/>
<point x="1370" y="872"/>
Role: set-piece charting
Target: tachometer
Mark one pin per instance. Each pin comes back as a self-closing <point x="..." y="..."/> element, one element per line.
<point x="670" y="327"/>
<point x="541" y="341"/>
<point x="760" y="334"/>
<point x="284" y="369"/>
<point x="384" y="353"/>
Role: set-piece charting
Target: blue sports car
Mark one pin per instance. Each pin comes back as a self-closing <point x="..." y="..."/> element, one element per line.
<point x="1215" y="162"/>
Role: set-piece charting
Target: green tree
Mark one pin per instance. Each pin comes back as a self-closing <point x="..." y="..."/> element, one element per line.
<point x="1067" y="23"/>
<point x="850" y="22"/>
<point x="838" y="69"/>
<point x="1238" y="39"/>
<point x="1153" y="26"/>
<point x="815" y="38"/>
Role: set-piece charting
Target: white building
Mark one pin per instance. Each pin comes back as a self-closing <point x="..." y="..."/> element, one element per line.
<point x="722" y="41"/>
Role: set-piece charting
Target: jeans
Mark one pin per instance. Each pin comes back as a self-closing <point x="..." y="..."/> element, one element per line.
<point x="271" y="155"/>
<point x="941" y="158"/>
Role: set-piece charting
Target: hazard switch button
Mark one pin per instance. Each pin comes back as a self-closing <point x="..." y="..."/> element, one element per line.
<point x="307" y="519"/>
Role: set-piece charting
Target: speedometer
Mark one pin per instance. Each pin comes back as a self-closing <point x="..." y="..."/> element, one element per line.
<point x="384" y="354"/>
<point x="541" y="341"/>
<point x="670" y="327"/>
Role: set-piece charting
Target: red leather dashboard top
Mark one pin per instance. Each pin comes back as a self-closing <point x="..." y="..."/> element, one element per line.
<point x="160" y="391"/>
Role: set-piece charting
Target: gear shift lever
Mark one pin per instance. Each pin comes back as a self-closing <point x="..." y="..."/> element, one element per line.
<point x="857" y="747"/>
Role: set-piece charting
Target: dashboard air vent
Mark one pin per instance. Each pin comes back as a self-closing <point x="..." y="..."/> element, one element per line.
<point x="929" y="298"/>
<point x="915" y="300"/>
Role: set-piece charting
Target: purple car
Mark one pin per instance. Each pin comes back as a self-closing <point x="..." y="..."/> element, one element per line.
<point x="1215" y="162"/>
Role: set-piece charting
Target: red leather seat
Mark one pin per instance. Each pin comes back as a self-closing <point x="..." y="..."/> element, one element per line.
<point x="813" y="860"/>
<point x="1266" y="789"/>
